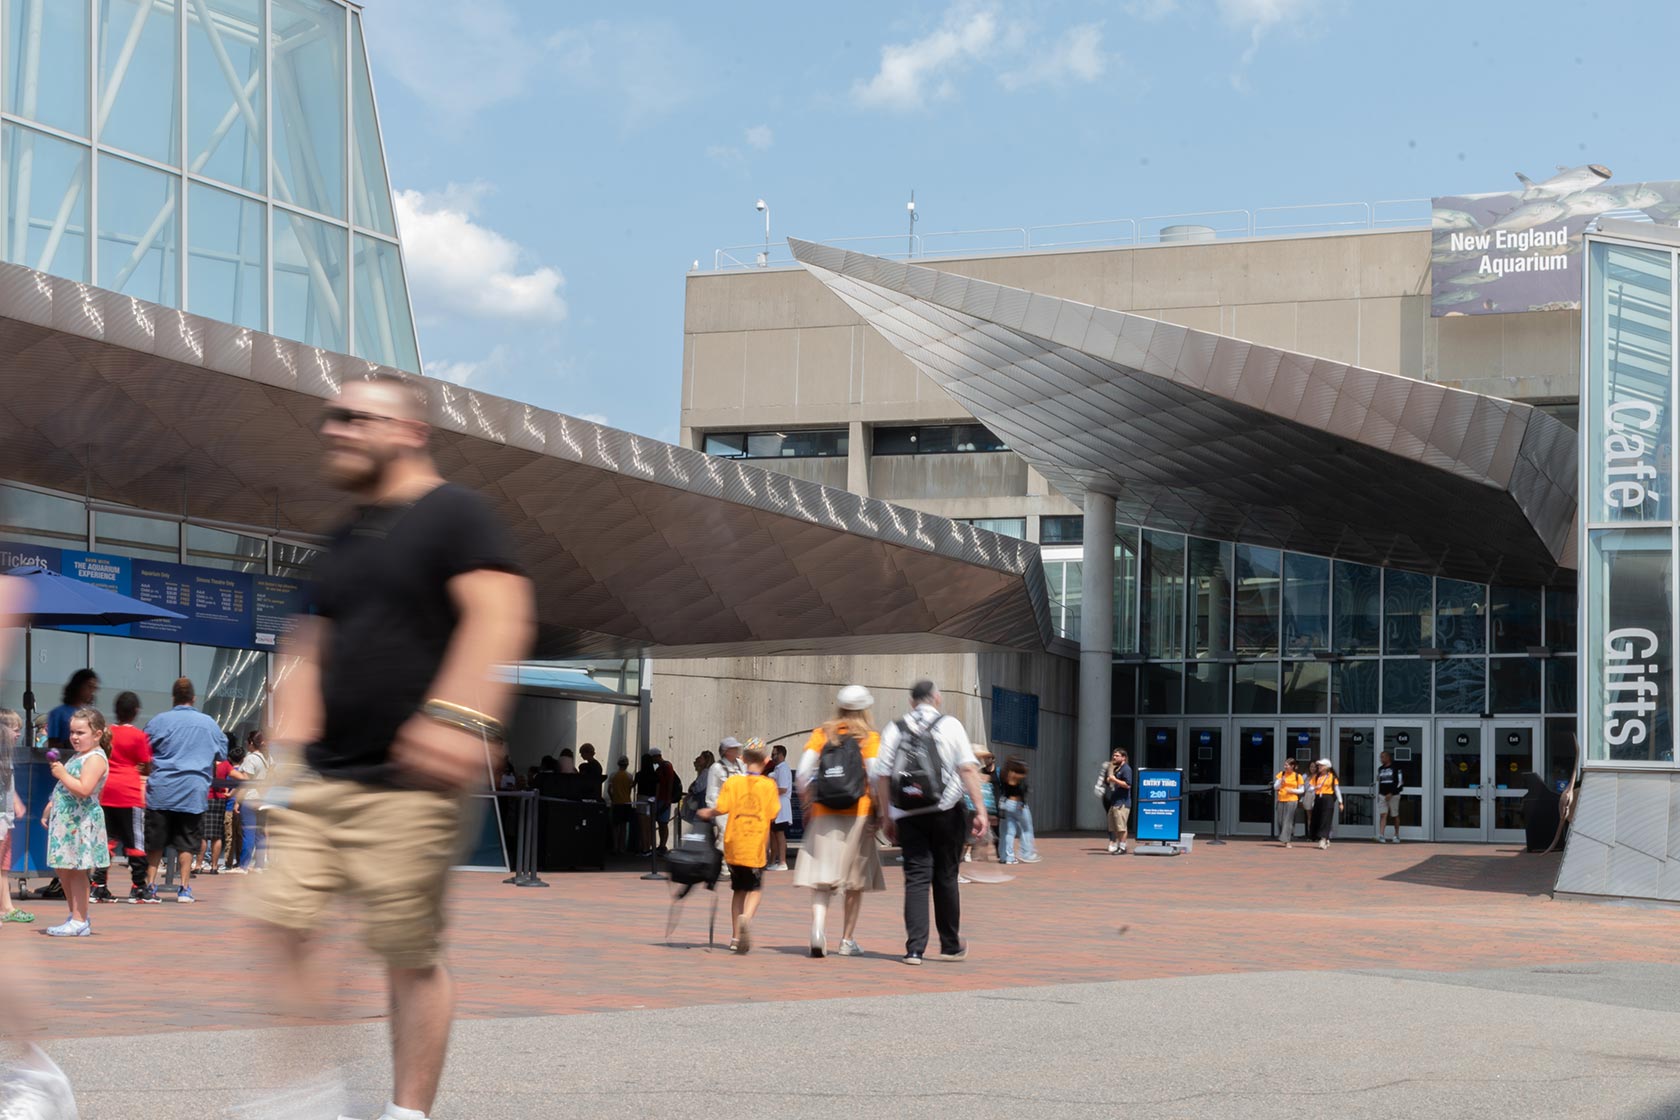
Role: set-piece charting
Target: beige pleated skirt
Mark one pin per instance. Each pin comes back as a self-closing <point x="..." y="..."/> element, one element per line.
<point x="839" y="853"/>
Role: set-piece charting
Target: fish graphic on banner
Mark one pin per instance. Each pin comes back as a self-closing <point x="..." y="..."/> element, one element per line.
<point x="1521" y="250"/>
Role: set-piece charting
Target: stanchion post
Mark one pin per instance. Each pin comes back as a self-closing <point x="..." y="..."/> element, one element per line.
<point x="1218" y="804"/>
<point x="530" y="878"/>
<point x="653" y="872"/>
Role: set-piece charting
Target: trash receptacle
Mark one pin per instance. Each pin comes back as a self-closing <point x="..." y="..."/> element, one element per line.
<point x="1540" y="812"/>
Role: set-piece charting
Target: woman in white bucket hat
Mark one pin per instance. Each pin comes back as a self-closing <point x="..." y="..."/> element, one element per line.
<point x="839" y="851"/>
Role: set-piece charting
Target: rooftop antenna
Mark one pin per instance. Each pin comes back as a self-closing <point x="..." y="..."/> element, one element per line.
<point x="764" y="208"/>
<point x="910" y="245"/>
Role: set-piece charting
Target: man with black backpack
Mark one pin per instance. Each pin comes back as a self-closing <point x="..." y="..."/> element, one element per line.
<point x="925" y="764"/>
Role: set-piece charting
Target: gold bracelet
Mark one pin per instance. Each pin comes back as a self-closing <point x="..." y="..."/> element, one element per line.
<point x="464" y="718"/>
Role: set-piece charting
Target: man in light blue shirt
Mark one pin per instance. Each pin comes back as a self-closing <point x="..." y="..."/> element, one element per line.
<point x="186" y="745"/>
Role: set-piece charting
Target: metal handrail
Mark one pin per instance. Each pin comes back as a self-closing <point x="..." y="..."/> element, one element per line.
<point x="1127" y="231"/>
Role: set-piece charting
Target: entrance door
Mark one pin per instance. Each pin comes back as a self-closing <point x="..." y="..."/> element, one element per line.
<point x="1205" y="744"/>
<point x="1304" y="742"/>
<point x="1408" y="743"/>
<point x="1255" y="760"/>
<point x="1356" y="770"/>
<point x="1513" y="745"/>
<point x="1482" y="786"/>
<point x="1159" y="745"/>
<point x="1460" y="813"/>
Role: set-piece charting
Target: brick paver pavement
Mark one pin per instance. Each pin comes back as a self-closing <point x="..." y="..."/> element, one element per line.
<point x="595" y="942"/>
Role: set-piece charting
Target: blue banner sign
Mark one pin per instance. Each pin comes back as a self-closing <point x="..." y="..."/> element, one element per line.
<point x="1159" y="805"/>
<point x="234" y="610"/>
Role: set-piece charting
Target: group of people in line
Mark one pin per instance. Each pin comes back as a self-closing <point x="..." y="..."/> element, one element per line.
<point x="1316" y="798"/>
<point x="918" y="782"/>
<point x="123" y="792"/>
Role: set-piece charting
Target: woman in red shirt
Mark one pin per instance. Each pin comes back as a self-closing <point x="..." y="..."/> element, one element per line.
<point x="124" y="800"/>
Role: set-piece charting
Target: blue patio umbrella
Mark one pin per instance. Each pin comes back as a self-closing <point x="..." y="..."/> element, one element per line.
<point x="52" y="599"/>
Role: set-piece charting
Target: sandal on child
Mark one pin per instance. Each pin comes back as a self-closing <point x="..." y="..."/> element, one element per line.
<point x="21" y="916"/>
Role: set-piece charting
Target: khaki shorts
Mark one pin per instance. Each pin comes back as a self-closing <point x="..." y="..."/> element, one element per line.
<point x="1118" y="817"/>
<point x="1388" y="805"/>
<point x="391" y="850"/>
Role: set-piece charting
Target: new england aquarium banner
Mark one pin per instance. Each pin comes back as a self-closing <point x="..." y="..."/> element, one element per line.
<point x="235" y="610"/>
<point x="1521" y="250"/>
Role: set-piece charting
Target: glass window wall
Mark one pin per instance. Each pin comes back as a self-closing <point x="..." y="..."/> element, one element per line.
<point x="1162" y="621"/>
<point x="1126" y="577"/>
<point x="45" y="222"/>
<point x="1356" y="687"/>
<point x="1207" y="688"/>
<point x="1408" y="612"/>
<point x="1306" y="603"/>
<point x="1460" y="616"/>
<point x="1358" y="601"/>
<point x="1254" y="690"/>
<point x="1306" y="687"/>
<point x="139" y="77"/>
<point x="1003" y="526"/>
<point x="1631" y="673"/>
<point x="1630" y="359"/>
<point x="384" y="328"/>
<point x="1514" y="618"/>
<point x="139" y="231"/>
<point x="1210" y="597"/>
<point x="1406" y="686"/>
<point x="309" y="288"/>
<point x="1461" y="686"/>
<point x="1514" y="685"/>
<point x="46" y="68"/>
<point x="1163" y="689"/>
<point x="147" y="669"/>
<point x="1561" y="620"/>
<point x="215" y="548"/>
<point x="31" y="517"/>
<point x="226" y="102"/>
<point x="1061" y="530"/>
<point x="144" y="538"/>
<point x="57" y="654"/>
<point x="309" y="99"/>
<point x="228" y="253"/>
<point x="1259" y="583"/>
<point x="370" y="190"/>
<point x="232" y="685"/>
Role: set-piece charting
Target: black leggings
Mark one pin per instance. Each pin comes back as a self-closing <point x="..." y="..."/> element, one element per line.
<point x="125" y="830"/>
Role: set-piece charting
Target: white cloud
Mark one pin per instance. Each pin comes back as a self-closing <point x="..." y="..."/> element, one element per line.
<point x="458" y="266"/>
<point x="1078" y="56"/>
<point x="458" y="59"/>
<point x="908" y="69"/>
<point x="464" y="372"/>
<point x="649" y="67"/>
<point x="759" y="136"/>
<point x="1257" y="18"/>
<point x="1150" y="10"/>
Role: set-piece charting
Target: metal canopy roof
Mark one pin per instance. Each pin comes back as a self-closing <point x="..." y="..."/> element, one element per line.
<point x="633" y="544"/>
<point x="1210" y="435"/>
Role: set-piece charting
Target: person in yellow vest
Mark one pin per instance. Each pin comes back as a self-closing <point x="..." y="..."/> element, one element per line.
<point x="1289" y="784"/>
<point x="1327" y="803"/>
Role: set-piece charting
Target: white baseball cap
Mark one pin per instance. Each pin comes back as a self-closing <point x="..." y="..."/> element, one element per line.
<point x="855" y="698"/>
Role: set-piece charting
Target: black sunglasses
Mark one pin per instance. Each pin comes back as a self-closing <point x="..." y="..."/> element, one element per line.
<point x="335" y="414"/>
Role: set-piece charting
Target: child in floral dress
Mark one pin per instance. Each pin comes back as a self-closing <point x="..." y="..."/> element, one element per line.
<point x="75" y="824"/>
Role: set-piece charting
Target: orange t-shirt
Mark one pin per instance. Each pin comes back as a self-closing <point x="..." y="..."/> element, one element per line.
<point x="750" y="802"/>
<point x="1290" y="785"/>
<point x="869" y="747"/>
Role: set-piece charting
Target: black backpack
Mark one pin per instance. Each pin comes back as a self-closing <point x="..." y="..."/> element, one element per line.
<point x="841" y="777"/>
<point x="918" y="778"/>
<point x="695" y="859"/>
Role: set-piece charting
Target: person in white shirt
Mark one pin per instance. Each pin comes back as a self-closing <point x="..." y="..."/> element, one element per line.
<point x="727" y="766"/>
<point x="930" y="835"/>
<point x="782" y="774"/>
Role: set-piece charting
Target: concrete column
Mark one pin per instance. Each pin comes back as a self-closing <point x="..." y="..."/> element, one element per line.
<point x="857" y="458"/>
<point x="1096" y="657"/>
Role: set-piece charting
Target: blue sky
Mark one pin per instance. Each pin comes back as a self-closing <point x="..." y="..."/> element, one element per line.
<point x="559" y="167"/>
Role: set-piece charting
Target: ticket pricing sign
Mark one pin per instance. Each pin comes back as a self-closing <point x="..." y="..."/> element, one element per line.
<point x="1160" y="804"/>
<point x="234" y="610"/>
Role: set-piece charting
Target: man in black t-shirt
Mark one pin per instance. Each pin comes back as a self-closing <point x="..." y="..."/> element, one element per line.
<point x="1389" y="784"/>
<point x="394" y="704"/>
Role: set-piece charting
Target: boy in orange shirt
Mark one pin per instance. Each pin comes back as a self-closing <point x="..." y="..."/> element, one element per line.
<point x="750" y="802"/>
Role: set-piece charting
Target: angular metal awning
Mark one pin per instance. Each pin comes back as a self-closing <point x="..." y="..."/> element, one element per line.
<point x="634" y="545"/>
<point x="1210" y="435"/>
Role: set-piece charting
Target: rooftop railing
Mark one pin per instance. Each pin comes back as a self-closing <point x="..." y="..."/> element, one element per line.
<point x="1197" y="226"/>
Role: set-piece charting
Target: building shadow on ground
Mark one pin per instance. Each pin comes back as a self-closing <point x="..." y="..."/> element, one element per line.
<point x="1497" y="871"/>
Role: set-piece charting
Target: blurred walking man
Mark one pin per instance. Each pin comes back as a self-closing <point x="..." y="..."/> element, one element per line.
<point x="391" y="699"/>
